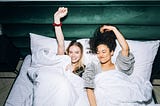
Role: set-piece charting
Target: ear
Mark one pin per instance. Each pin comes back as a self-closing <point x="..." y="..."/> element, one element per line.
<point x="112" y="53"/>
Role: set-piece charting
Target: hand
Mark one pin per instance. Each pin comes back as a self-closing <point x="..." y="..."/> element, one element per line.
<point x="105" y="28"/>
<point x="69" y="68"/>
<point x="61" y="12"/>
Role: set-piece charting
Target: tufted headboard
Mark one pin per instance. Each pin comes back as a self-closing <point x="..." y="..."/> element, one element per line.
<point x="137" y="20"/>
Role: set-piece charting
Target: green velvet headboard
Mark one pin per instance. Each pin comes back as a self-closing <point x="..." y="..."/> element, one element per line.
<point x="138" y="20"/>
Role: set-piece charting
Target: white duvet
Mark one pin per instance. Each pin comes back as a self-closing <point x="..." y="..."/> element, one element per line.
<point x="54" y="86"/>
<point x="56" y="89"/>
<point x="70" y="92"/>
<point x="114" y="88"/>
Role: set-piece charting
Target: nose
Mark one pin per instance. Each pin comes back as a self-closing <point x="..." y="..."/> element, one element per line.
<point x="100" y="55"/>
<point x="72" y="54"/>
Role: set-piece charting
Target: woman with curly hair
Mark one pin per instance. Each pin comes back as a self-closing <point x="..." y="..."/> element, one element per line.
<point x="108" y="83"/>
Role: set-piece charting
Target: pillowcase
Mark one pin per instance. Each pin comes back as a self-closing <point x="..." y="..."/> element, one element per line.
<point x="40" y="41"/>
<point x="44" y="50"/>
<point x="144" y="52"/>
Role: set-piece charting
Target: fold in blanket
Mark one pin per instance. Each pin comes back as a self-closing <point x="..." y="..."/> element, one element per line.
<point x="54" y="86"/>
<point x="114" y="88"/>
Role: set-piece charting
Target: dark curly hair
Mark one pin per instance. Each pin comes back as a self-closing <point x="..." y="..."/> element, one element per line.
<point x="107" y="38"/>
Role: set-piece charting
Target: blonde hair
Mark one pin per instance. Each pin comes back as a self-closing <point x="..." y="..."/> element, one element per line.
<point x="79" y="64"/>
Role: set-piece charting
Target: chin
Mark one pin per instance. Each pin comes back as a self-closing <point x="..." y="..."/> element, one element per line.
<point x="103" y="62"/>
<point x="74" y="61"/>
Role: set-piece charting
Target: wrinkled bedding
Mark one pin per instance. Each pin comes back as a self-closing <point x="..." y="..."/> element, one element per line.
<point x="56" y="89"/>
<point x="52" y="85"/>
<point x="114" y="88"/>
<point x="21" y="93"/>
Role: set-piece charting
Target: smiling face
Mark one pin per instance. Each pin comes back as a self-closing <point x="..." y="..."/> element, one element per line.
<point x="75" y="54"/>
<point x="103" y="53"/>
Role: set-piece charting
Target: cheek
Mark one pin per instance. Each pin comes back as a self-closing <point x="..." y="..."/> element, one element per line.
<point x="105" y="55"/>
<point x="69" y="54"/>
<point x="98" y="56"/>
<point x="78" y="56"/>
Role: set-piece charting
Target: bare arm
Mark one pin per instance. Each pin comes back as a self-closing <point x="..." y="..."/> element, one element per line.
<point x="121" y="40"/>
<point x="91" y="97"/>
<point x="58" y="30"/>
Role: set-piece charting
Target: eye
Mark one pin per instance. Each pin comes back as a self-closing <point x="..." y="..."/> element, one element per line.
<point x="77" y="52"/>
<point x="70" y="52"/>
<point x="104" y="51"/>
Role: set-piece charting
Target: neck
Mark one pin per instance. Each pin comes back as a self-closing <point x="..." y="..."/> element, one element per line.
<point x="107" y="66"/>
<point x="74" y="65"/>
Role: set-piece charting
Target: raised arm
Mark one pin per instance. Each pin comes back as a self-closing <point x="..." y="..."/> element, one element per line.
<point x="121" y="40"/>
<point x="60" y="13"/>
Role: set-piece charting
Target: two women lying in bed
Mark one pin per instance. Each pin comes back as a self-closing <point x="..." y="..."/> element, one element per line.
<point x="106" y="83"/>
<point x="101" y="84"/>
<point x="105" y="35"/>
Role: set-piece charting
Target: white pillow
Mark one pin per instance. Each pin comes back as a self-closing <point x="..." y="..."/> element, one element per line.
<point x="44" y="50"/>
<point x="41" y="41"/>
<point x="144" y="52"/>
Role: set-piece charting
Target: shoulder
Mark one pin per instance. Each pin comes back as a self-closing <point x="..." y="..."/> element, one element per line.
<point x="89" y="75"/>
<point x="91" y="66"/>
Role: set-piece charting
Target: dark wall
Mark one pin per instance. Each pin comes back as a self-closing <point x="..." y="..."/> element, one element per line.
<point x="135" y="19"/>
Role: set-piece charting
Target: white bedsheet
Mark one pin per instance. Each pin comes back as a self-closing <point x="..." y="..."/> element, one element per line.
<point x="55" y="89"/>
<point x="78" y="85"/>
<point x="114" y="88"/>
<point x="53" y="86"/>
<point x="22" y="90"/>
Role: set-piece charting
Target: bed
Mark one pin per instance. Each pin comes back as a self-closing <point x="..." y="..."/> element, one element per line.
<point x="41" y="66"/>
<point x="28" y="23"/>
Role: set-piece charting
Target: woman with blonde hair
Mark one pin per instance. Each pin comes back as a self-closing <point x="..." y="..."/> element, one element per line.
<point x="67" y="88"/>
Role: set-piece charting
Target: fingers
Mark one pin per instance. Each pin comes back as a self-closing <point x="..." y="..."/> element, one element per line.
<point x="68" y="67"/>
<point x="63" y="10"/>
<point x="105" y="28"/>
